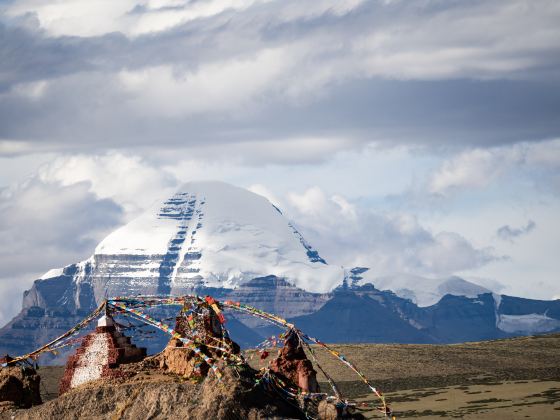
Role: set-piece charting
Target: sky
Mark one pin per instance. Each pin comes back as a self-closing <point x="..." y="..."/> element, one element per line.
<point x="409" y="137"/>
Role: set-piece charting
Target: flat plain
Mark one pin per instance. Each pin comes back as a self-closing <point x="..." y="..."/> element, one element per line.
<point x="515" y="378"/>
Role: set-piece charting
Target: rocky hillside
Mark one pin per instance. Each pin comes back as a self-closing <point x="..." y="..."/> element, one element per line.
<point x="149" y="394"/>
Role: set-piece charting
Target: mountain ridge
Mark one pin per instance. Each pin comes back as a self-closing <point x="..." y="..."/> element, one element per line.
<point x="213" y="238"/>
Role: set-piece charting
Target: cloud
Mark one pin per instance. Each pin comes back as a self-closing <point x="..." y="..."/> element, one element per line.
<point x="397" y="39"/>
<point x="353" y="235"/>
<point x="250" y="90"/>
<point x="58" y="216"/>
<point x="46" y="225"/>
<point x="507" y="233"/>
<point x="205" y="74"/>
<point x="129" y="181"/>
<point x="472" y="169"/>
<point x="133" y="17"/>
<point x="265" y="192"/>
<point x="229" y="85"/>
<point x="478" y="168"/>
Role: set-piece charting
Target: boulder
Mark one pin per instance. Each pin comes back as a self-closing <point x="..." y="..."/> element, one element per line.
<point x="19" y="387"/>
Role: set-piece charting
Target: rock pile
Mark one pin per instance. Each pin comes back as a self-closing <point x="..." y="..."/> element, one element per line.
<point x="19" y="387"/>
<point x="205" y="328"/>
<point x="157" y="396"/>
<point x="100" y="353"/>
<point x="293" y="364"/>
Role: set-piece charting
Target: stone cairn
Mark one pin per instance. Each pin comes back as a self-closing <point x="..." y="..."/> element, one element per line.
<point x="204" y="325"/>
<point x="293" y="364"/>
<point x="99" y="354"/>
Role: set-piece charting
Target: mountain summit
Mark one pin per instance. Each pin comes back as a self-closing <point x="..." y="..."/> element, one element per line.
<point x="208" y="234"/>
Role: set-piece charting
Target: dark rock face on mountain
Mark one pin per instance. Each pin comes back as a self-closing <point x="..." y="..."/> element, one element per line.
<point x="366" y="315"/>
<point x="36" y="325"/>
<point x="511" y="305"/>
<point x="358" y="317"/>
<point x="457" y="318"/>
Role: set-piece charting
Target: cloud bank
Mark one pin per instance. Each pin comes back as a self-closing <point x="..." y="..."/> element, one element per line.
<point x="90" y="75"/>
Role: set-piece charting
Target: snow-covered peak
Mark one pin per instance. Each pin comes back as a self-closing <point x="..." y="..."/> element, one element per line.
<point x="53" y="272"/>
<point x="426" y="291"/>
<point x="219" y="235"/>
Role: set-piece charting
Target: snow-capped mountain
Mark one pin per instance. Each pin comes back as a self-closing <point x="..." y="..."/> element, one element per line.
<point x="214" y="238"/>
<point x="209" y="234"/>
<point x="425" y="291"/>
<point x="422" y="291"/>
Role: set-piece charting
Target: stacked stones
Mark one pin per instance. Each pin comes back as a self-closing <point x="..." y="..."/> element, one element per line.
<point x="204" y="326"/>
<point x="100" y="353"/>
<point x="293" y="364"/>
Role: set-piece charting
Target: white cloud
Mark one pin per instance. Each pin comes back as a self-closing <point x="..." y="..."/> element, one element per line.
<point x="474" y="168"/>
<point x="532" y="267"/>
<point x="275" y="92"/>
<point x="75" y="17"/>
<point x="448" y="252"/>
<point x="265" y="192"/>
<point x="137" y="17"/>
<point x="15" y="147"/>
<point x="240" y="156"/>
<point x="223" y="86"/>
<point x="126" y="179"/>
<point x="33" y="90"/>
<point x="162" y="15"/>
<point x="58" y="216"/>
<point x="239" y="71"/>
<point x="479" y="168"/>
<point x="45" y="225"/>
<point x="351" y="235"/>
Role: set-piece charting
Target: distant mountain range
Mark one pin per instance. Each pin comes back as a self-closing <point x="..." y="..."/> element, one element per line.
<point x="214" y="238"/>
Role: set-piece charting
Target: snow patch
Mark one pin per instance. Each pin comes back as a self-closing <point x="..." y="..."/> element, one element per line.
<point x="54" y="272"/>
<point x="497" y="300"/>
<point x="527" y="324"/>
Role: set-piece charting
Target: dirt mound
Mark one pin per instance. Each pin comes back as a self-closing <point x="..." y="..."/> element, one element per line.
<point x="155" y="395"/>
<point x="19" y="387"/>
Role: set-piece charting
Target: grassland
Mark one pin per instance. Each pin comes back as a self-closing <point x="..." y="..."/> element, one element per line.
<point x="503" y="379"/>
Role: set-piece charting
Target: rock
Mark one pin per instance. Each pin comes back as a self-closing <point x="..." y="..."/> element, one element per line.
<point x="19" y="386"/>
<point x="293" y="364"/>
<point x="331" y="410"/>
<point x="204" y="326"/>
<point x="233" y="396"/>
<point x="327" y="411"/>
<point x="181" y="360"/>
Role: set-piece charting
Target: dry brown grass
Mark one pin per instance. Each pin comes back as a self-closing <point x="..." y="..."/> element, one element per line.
<point x="503" y="379"/>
